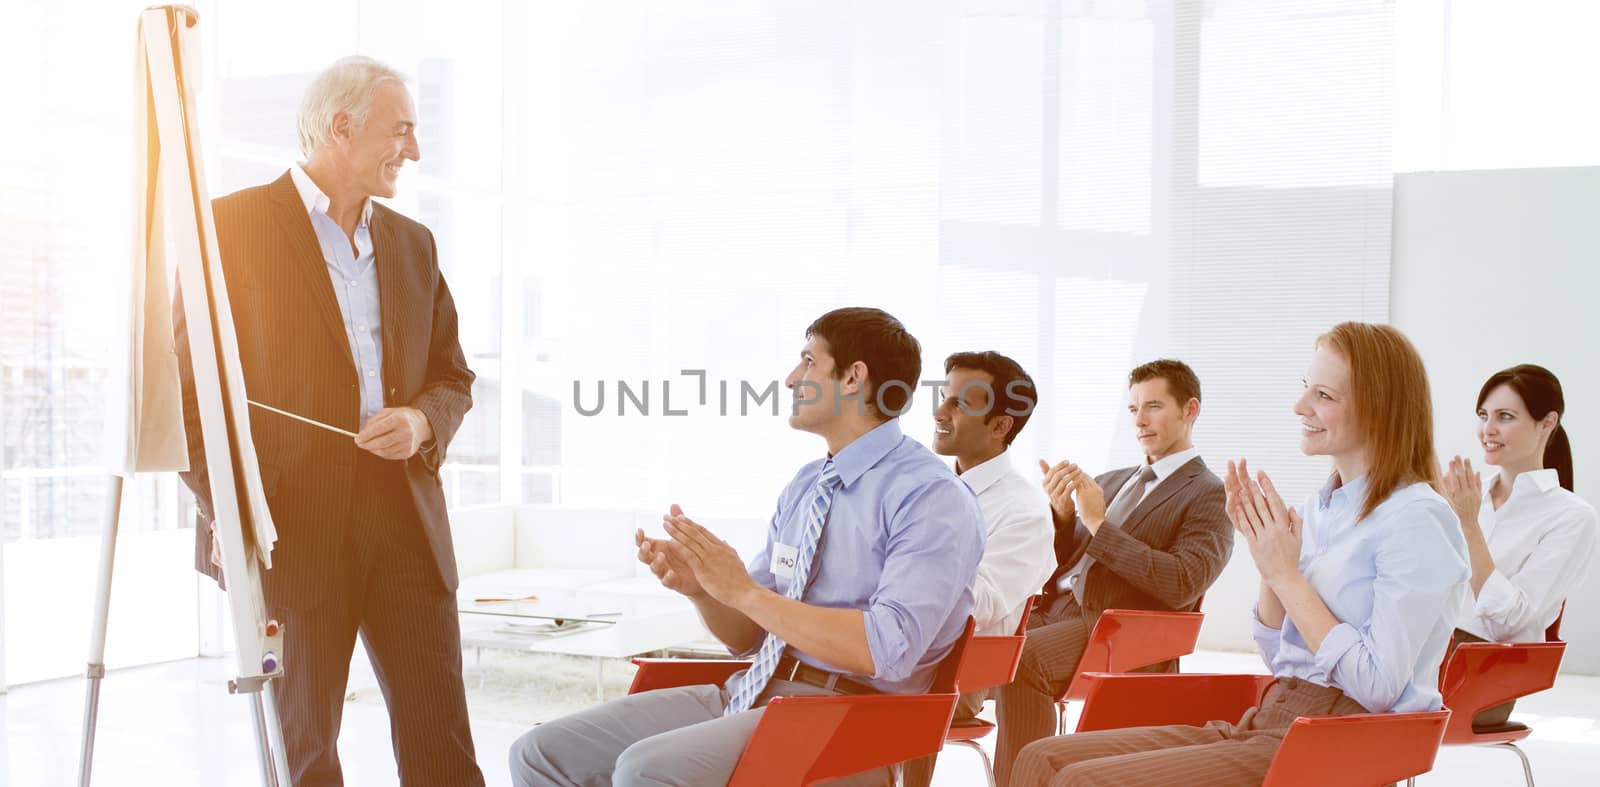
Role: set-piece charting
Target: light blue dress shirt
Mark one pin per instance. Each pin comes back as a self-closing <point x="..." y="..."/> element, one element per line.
<point x="1396" y="581"/>
<point x="902" y="544"/>
<point x="354" y="275"/>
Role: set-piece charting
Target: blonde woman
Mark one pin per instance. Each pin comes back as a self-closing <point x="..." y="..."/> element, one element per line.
<point x="1360" y="584"/>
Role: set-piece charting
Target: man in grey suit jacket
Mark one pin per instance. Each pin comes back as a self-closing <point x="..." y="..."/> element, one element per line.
<point x="1152" y="536"/>
<point x="343" y="317"/>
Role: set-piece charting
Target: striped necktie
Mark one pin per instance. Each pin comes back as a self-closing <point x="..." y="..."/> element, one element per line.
<point x="1128" y="498"/>
<point x="766" y="661"/>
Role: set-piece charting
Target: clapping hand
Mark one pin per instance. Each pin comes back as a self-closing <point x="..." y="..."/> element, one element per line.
<point x="714" y="563"/>
<point x="1073" y="490"/>
<point x="1057" y="489"/>
<point x="657" y="553"/>
<point x="1272" y="530"/>
<point x="1463" y="489"/>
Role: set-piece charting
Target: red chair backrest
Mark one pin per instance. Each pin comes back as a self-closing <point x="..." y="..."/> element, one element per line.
<point x="992" y="661"/>
<point x="1482" y="675"/>
<point x="1027" y="612"/>
<point x="1358" y="750"/>
<point x="655" y="674"/>
<point x="804" y="740"/>
<point x="1127" y="639"/>
<point x="944" y="678"/>
<point x="1112" y="702"/>
<point x="1553" y="633"/>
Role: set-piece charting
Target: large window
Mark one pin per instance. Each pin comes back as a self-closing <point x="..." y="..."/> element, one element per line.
<point x="1083" y="186"/>
<point x="65" y="233"/>
<point x="625" y="191"/>
<point x="456" y="189"/>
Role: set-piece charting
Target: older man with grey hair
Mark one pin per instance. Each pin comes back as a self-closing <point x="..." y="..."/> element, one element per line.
<point x="344" y="318"/>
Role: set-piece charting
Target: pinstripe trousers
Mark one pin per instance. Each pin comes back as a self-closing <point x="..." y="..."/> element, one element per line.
<point x="390" y="591"/>
<point x="1025" y="708"/>
<point x="1218" y="754"/>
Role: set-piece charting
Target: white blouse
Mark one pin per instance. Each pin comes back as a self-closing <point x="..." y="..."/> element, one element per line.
<point x="1395" y="580"/>
<point x="1542" y="540"/>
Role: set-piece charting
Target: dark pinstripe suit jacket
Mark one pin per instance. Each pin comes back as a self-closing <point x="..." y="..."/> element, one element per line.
<point x="296" y="357"/>
<point x="1170" y="550"/>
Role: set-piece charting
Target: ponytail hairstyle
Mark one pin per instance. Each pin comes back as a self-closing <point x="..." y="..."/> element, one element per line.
<point x="1541" y="393"/>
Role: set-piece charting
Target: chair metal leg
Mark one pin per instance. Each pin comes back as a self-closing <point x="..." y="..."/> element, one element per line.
<point x="1061" y="717"/>
<point x="1527" y="767"/>
<point x="988" y="767"/>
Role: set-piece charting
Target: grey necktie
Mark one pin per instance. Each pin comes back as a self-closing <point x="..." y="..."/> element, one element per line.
<point x="1128" y="498"/>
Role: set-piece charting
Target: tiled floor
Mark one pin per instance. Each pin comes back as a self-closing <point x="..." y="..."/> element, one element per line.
<point x="175" y="724"/>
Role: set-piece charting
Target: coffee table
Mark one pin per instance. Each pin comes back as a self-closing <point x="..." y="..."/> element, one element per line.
<point x="575" y="613"/>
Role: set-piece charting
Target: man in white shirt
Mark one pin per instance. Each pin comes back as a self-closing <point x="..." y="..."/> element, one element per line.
<point x="986" y="400"/>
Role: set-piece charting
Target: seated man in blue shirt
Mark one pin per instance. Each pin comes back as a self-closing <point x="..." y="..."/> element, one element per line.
<point x="863" y="585"/>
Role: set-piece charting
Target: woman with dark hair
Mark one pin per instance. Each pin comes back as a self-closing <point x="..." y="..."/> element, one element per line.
<point x="1529" y="537"/>
<point x="1359" y="584"/>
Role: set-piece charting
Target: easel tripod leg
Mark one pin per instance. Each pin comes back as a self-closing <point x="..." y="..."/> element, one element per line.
<point x="274" y="741"/>
<point x="97" y="633"/>
<point x="267" y="759"/>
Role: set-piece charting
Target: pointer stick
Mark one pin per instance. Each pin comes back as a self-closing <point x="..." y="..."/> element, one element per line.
<point x="301" y="418"/>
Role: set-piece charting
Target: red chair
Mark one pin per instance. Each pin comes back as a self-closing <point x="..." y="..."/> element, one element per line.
<point x="1553" y="633"/>
<point x="1481" y="675"/>
<point x="1357" y="750"/>
<point x="669" y="673"/>
<point x="804" y="740"/>
<point x="1124" y="640"/>
<point x="988" y="662"/>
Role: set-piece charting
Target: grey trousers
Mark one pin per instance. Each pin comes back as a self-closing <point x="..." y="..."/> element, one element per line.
<point x="672" y="736"/>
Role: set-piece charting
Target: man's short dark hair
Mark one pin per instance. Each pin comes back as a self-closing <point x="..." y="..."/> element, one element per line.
<point x="1013" y="391"/>
<point x="873" y="336"/>
<point x="1181" y="380"/>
